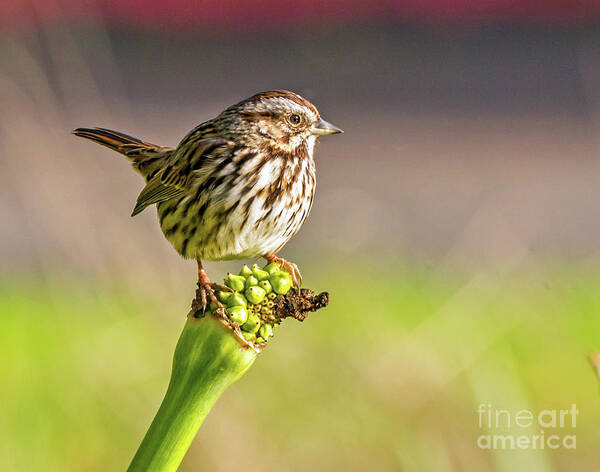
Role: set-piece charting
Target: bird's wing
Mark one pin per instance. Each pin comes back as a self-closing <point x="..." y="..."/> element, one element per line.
<point x="178" y="174"/>
<point x="155" y="192"/>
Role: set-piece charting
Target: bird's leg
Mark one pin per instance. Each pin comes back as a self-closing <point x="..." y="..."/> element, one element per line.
<point x="206" y="290"/>
<point x="289" y="266"/>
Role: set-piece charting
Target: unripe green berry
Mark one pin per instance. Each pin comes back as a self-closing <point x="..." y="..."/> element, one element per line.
<point x="246" y="271"/>
<point x="235" y="282"/>
<point x="248" y="336"/>
<point x="237" y="314"/>
<point x="265" y="331"/>
<point x="272" y="296"/>
<point x="236" y="299"/>
<point x="281" y="282"/>
<point x="266" y="286"/>
<point x="272" y="268"/>
<point x="252" y="324"/>
<point x="251" y="281"/>
<point x="255" y="294"/>
<point x="260" y="341"/>
<point x="223" y="296"/>
<point x="259" y="273"/>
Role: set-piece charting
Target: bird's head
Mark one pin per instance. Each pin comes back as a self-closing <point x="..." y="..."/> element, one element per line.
<point x="280" y="119"/>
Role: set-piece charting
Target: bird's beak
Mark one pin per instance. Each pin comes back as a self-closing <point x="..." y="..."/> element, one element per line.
<point x="323" y="128"/>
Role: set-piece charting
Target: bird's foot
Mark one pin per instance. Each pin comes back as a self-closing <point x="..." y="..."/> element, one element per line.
<point x="289" y="266"/>
<point x="206" y="291"/>
<point x="221" y="288"/>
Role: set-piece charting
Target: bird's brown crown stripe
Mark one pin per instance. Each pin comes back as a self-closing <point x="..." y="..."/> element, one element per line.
<point x="284" y="94"/>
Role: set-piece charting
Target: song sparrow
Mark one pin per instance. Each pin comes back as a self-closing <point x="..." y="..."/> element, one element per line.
<point x="237" y="186"/>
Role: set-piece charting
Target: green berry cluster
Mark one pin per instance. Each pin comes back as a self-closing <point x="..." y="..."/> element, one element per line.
<point x="251" y="303"/>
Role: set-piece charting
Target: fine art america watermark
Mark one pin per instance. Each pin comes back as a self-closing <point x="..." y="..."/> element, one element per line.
<point x="526" y="429"/>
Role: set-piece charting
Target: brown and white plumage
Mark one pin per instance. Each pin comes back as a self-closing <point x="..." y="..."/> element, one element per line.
<point x="238" y="186"/>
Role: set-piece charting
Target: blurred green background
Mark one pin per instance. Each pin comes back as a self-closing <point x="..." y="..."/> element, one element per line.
<point x="455" y="226"/>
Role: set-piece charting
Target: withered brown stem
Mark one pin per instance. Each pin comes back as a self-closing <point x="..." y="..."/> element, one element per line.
<point x="297" y="304"/>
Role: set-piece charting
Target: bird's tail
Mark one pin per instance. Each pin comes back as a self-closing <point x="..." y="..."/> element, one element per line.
<point x="146" y="158"/>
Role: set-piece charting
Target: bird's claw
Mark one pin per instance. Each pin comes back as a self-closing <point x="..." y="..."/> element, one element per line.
<point x="288" y="266"/>
<point x="206" y="292"/>
<point x="221" y="288"/>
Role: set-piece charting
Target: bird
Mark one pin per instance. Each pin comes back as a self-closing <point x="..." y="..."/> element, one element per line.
<point x="238" y="186"/>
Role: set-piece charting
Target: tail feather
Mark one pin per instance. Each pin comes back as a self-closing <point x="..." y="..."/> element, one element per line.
<point x="145" y="157"/>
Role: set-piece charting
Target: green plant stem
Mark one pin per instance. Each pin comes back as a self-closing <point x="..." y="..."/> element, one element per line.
<point x="210" y="355"/>
<point x="208" y="358"/>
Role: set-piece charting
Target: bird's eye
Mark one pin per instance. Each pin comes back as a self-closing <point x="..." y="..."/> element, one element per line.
<point x="294" y="119"/>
